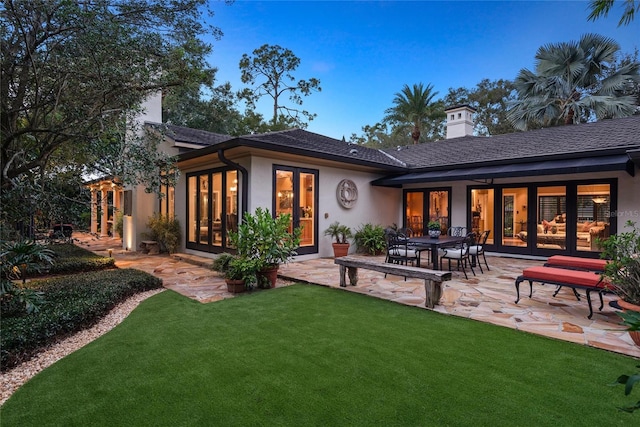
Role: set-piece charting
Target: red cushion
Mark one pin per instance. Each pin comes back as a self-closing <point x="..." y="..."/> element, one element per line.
<point x="561" y="275"/>
<point x="577" y="262"/>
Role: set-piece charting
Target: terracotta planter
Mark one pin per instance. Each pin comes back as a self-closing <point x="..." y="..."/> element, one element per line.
<point x="235" y="286"/>
<point x="635" y="335"/>
<point x="340" y="249"/>
<point x="267" y="277"/>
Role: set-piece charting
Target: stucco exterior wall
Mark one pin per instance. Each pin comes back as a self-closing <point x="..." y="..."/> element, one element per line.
<point x="376" y="205"/>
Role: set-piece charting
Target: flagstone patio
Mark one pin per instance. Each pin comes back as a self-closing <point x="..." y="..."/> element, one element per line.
<point x="487" y="297"/>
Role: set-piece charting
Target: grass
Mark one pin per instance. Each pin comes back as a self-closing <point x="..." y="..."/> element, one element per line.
<point x="307" y="355"/>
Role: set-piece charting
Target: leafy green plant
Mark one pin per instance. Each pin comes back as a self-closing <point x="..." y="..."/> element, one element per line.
<point x="632" y="320"/>
<point x="623" y="270"/>
<point x="165" y="230"/>
<point x="18" y="258"/>
<point x="233" y="267"/>
<point x="369" y="238"/>
<point x="433" y="225"/>
<point x="266" y="239"/>
<point x="221" y="262"/>
<point x="340" y="232"/>
<point x="118" y="226"/>
<point x="243" y="269"/>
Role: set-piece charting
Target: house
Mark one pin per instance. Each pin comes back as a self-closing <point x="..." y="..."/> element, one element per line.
<point x="541" y="192"/>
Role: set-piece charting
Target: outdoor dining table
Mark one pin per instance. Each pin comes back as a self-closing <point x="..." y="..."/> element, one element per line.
<point x="433" y="244"/>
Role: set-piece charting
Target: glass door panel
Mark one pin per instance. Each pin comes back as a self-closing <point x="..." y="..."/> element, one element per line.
<point x="439" y="208"/>
<point x="551" y="225"/>
<point x="231" y="207"/>
<point x="415" y="212"/>
<point x="216" y="209"/>
<point x="203" y="209"/>
<point x="284" y="194"/>
<point x="482" y="212"/>
<point x="192" y="225"/>
<point x="307" y="208"/>
<point x="593" y="205"/>
<point x="514" y="217"/>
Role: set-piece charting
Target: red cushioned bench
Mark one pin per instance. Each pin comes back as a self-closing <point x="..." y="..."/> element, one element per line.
<point x="575" y="279"/>
<point x="576" y="263"/>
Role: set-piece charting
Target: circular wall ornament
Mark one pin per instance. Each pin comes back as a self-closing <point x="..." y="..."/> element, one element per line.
<point x="347" y="193"/>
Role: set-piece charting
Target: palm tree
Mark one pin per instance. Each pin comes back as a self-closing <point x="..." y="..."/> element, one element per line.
<point x="573" y="82"/>
<point x="601" y="8"/>
<point x="415" y="107"/>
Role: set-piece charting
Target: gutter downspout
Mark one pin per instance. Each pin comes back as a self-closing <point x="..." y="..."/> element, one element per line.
<point x="245" y="181"/>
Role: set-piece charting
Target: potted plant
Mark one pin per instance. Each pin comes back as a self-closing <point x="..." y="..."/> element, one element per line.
<point x="239" y="273"/>
<point x="341" y="233"/>
<point x="433" y="228"/>
<point x="623" y="269"/>
<point x="369" y="238"/>
<point x="267" y="241"/>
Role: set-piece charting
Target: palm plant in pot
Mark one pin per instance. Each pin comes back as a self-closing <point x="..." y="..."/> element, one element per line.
<point x="623" y="269"/>
<point x="434" y="229"/>
<point x="266" y="240"/>
<point x="341" y="234"/>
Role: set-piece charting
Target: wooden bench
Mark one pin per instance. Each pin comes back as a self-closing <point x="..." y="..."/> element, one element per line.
<point x="432" y="278"/>
<point x="575" y="279"/>
<point x="150" y="247"/>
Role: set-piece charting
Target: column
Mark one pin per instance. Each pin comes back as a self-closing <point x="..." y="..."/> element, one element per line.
<point x="105" y="214"/>
<point x="94" y="211"/>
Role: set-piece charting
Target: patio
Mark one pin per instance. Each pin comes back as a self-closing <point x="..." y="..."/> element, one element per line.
<point x="487" y="297"/>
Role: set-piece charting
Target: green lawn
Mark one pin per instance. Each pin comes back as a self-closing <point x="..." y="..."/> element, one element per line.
<point x="308" y="355"/>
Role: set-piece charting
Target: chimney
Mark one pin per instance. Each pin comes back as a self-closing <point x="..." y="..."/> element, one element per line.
<point x="459" y="121"/>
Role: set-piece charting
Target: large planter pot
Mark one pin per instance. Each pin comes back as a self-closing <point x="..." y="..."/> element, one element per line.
<point x="267" y="276"/>
<point x="635" y="335"/>
<point x="340" y="249"/>
<point x="434" y="234"/>
<point x="235" y="286"/>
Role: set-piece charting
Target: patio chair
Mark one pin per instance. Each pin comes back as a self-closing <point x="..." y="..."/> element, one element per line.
<point x="398" y="249"/>
<point x="477" y="249"/>
<point x="460" y="253"/>
<point x="457" y="231"/>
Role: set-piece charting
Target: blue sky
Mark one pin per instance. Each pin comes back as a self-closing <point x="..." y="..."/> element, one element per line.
<point x="364" y="52"/>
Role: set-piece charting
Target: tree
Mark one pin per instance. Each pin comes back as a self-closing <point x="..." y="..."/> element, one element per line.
<point x="73" y="73"/>
<point x="415" y="107"/>
<point x="572" y="83"/>
<point x="203" y="105"/>
<point x="601" y="8"/>
<point x="273" y="65"/>
<point x="490" y="100"/>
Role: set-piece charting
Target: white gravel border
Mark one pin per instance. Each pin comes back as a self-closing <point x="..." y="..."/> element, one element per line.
<point x="14" y="378"/>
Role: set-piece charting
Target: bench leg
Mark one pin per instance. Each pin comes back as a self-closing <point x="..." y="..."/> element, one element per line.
<point x="433" y="292"/>
<point x="353" y="275"/>
<point x="589" y="301"/>
<point x="343" y="272"/>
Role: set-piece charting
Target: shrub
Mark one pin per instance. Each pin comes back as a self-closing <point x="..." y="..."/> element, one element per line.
<point x="71" y="303"/>
<point x="166" y="231"/>
<point x="623" y="249"/>
<point x="74" y="259"/>
<point x="369" y="238"/>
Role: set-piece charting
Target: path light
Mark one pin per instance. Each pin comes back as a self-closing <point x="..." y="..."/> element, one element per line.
<point x="110" y="252"/>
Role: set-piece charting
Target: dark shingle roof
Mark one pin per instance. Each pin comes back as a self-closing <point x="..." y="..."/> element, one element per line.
<point x="192" y="136"/>
<point x="303" y="142"/>
<point x="588" y="139"/>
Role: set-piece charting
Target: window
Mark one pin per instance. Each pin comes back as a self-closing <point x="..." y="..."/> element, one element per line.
<point x="128" y="203"/>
